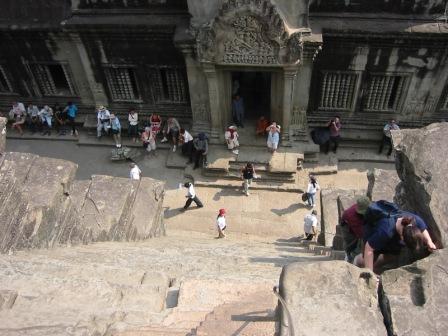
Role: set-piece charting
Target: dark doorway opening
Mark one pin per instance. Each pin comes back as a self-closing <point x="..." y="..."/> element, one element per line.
<point x="255" y="89"/>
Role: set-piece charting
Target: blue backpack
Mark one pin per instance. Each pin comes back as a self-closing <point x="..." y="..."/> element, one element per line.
<point x="379" y="210"/>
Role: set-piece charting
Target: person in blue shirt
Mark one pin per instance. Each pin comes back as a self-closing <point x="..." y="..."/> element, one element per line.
<point x="384" y="240"/>
<point x="71" y="110"/>
<point x="238" y="110"/>
<point x="115" y="127"/>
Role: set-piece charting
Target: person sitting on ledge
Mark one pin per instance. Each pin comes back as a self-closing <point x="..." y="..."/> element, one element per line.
<point x="262" y="124"/>
<point x="385" y="238"/>
<point x="103" y="124"/>
<point x="172" y="128"/>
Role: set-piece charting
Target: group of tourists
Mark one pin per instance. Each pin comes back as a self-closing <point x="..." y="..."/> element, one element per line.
<point x="44" y="119"/>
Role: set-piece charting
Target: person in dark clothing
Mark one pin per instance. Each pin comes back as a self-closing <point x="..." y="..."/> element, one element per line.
<point x="238" y="110"/>
<point x="390" y="126"/>
<point x="334" y="125"/>
<point x="191" y="197"/>
<point x="247" y="174"/>
<point x="200" y="145"/>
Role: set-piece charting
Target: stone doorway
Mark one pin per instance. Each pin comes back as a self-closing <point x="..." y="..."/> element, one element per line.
<point x="255" y="89"/>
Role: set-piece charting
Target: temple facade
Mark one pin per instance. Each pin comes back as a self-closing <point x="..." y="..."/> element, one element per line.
<point x="296" y="62"/>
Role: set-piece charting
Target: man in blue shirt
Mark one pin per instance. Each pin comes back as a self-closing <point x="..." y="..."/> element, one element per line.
<point x="238" y="110"/>
<point x="385" y="239"/>
<point x="71" y="110"/>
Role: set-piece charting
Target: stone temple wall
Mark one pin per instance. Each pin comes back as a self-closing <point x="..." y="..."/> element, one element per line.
<point x="42" y="206"/>
<point x="3" y="122"/>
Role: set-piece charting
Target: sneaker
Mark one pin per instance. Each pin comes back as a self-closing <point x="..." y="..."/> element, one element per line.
<point x="247" y="194"/>
<point x="235" y="151"/>
<point x="164" y="140"/>
<point x="174" y="148"/>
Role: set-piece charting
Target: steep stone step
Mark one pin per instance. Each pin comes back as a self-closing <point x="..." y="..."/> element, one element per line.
<point x="251" y="315"/>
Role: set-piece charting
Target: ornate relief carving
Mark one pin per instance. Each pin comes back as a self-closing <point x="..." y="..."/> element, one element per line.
<point x="298" y="118"/>
<point x="248" y="32"/>
<point x="248" y="45"/>
<point x="200" y="112"/>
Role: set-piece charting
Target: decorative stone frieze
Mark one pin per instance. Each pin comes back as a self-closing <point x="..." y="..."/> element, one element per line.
<point x="249" y="32"/>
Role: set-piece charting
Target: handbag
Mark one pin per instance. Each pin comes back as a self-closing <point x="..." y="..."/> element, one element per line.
<point x="305" y="197"/>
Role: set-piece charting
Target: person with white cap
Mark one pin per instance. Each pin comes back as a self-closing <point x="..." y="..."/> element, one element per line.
<point x="116" y="129"/>
<point x="135" y="172"/>
<point x="231" y="136"/>
<point x="221" y="223"/>
<point x="103" y="121"/>
<point x="273" y="136"/>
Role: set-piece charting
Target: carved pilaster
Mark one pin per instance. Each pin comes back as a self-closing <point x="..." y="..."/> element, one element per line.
<point x="214" y="99"/>
<point x="289" y="77"/>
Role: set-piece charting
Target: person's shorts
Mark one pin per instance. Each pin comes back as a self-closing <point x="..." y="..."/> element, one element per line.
<point x="149" y="146"/>
<point x="115" y="131"/>
<point x="272" y="145"/>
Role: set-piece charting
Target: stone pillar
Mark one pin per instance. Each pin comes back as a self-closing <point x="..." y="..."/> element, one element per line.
<point x="214" y="100"/>
<point x="197" y="85"/>
<point x="3" y="122"/>
<point x="289" y="78"/>
<point x="97" y="89"/>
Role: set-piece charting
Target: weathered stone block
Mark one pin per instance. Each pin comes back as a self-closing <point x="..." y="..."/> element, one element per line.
<point x="283" y="163"/>
<point x="147" y="210"/>
<point x="417" y="297"/>
<point x="106" y="206"/>
<point x="330" y="298"/>
<point x="382" y="184"/>
<point x="7" y="299"/>
<point x="422" y="168"/>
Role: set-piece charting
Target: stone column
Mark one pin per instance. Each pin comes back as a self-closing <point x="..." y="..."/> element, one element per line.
<point x="3" y="122"/>
<point x="97" y="89"/>
<point x="214" y="100"/>
<point x="197" y="85"/>
<point x="289" y="78"/>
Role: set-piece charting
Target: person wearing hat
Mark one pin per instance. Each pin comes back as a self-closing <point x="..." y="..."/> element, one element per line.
<point x="191" y="196"/>
<point x="221" y="223"/>
<point x="352" y="221"/>
<point x="103" y="121"/>
<point x="115" y="127"/>
<point x="231" y="137"/>
<point x="310" y="225"/>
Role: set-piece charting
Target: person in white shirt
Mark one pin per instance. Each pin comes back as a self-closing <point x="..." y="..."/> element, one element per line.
<point x="103" y="121"/>
<point x="135" y="173"/>
<point x="231" y="137"/>
<point x="311" y="191"/>
<point x="191" y="196"/>
<point x="46" y="116"/>
<point x="133" y="125"/>
<point x="221" y="223"/>
<point x="186" y="143"/>
<point x="18" y="109"/>
<point x="310" y="225"/>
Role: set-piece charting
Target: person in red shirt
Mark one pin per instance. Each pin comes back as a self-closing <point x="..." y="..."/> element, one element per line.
<point x="352" y="221"/>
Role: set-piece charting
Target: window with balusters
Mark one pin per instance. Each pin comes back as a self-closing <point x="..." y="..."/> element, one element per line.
<point x="338" y="90"/>
<point x="122" y="83"/>
<point x="168" y="84"/>
<point x="53" y="79"/>
<point x="5" y="84"/>
<point x="384" y="92"/>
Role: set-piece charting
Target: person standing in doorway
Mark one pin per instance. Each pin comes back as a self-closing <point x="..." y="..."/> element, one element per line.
<point x="334" y="126"/>
<point x="390" y="126"/>
<point x="221" y="223"/>
<point x="273" y="136"/>
<point x="238" y="110"/>
<point x="191" y="196"/>
<point x="135" y="173"/>
<point x="247" y="174"/>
